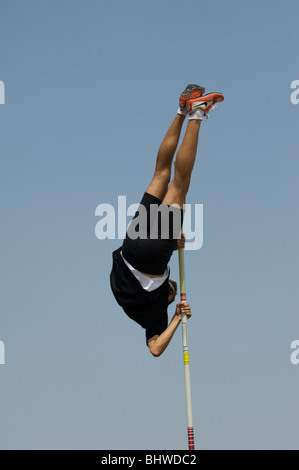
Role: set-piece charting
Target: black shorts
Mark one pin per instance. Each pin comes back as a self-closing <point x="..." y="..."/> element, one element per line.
<point x="157" y="231"/>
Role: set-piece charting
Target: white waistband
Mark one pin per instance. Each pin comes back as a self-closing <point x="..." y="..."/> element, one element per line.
<point x="147" y="283"/>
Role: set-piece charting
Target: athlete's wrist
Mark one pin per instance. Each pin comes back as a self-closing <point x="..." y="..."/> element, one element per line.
<point x="177" y="317"/>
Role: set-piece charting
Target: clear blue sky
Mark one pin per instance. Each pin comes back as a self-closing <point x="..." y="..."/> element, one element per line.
<point x="91" y="87"/>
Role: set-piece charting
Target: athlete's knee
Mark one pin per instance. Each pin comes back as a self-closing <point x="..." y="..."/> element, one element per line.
<point x="163" y="175"/>
<point x="181" y="180"/>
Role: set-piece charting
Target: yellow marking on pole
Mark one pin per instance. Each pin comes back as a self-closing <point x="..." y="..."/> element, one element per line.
<point x="186" y="358"/>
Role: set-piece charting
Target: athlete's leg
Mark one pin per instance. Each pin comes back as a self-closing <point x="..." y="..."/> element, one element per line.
<point x="161" y="179"/>
<point x="184" y="163"/>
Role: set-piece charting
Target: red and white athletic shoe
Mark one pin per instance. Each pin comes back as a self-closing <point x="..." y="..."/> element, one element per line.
<point x="206" y="102"/>
<point x="190" y="92"/>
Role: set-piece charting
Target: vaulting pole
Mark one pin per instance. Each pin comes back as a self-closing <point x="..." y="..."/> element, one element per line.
<point x="186" y="351"/>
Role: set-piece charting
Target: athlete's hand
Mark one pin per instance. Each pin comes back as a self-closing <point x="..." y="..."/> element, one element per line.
<point x="181" y="242"/>
<point x="183" y="307"/>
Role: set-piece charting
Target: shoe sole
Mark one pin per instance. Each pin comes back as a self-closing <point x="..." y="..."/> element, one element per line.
<point x="205" y="102"/>
<point x="196" y="92"/>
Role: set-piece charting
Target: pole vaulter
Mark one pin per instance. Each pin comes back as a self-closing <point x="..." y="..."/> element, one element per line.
<point x="140" y="276"/>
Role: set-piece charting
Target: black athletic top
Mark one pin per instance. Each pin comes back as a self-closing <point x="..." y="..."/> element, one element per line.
<point x="148" y="309"/>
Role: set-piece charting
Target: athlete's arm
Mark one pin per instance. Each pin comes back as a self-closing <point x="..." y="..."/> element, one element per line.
<point x="158" y="343"/>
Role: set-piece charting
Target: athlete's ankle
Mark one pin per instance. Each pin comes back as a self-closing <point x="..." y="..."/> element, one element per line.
<point x="182" y="112"/>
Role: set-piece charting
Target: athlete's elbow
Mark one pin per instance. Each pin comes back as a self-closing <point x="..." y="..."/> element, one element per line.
<point x="156" y="352"/>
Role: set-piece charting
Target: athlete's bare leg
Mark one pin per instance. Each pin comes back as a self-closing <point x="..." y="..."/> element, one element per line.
<point x="162" y="175"/>
<point x="184" y="163"/>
